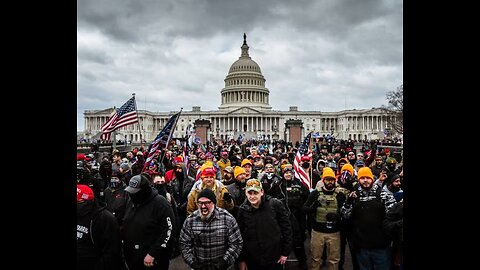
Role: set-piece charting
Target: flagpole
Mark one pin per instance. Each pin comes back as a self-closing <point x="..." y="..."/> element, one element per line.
<point x="139" y="127"/>
<point x="311" y="161"/>
<point x="170" y="136"/>
<point x="114" y="143"/>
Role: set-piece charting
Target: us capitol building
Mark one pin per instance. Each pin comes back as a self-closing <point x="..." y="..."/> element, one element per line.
<point x="245" y="110"/>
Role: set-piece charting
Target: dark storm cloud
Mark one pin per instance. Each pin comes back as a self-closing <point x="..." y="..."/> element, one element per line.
<point x="344" y="53"/>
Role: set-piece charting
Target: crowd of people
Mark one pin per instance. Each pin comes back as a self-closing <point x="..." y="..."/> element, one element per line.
<point x="238" y="205"/>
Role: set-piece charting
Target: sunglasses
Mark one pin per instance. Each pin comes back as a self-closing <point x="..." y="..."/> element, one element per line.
<point x="204" y="203"/>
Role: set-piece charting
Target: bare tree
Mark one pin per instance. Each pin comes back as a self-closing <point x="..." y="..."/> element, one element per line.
<point x="394" y="110"/>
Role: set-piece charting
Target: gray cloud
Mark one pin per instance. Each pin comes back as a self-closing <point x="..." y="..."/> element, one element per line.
<point x="344" y="53"/>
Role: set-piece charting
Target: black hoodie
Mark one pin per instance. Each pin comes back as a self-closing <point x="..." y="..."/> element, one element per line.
<point x="98" y="238"/>
<point x="148" y="227"/>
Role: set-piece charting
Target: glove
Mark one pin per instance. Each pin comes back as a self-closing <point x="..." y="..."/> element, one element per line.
<point x="220" y="264"/>
<point x="197" y="265"/>
<point x="350" y="199"/>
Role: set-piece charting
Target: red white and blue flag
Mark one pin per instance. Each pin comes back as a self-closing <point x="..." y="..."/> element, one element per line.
<point x="303" y="150"/>
<point x="126" y="115"/>
<point x="162" y="138"/>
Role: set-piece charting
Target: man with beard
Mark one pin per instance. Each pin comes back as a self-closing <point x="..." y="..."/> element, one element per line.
<point x="323" y="205"/>
<point x="210" y="237"/>
<point x="352" y="158"/>
<point x="98" y="234"/>
<point x="366" y="207"/>
<point x="392" y="184"/>
<point x="147" y="227"/>
<point x="228" y="176"/>
<point x="377" y="166"/>
<point x="258" y="167"/>
<point x="237" y="189"/>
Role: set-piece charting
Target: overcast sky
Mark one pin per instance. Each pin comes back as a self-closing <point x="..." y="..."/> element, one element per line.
<point x="319" y="55"/>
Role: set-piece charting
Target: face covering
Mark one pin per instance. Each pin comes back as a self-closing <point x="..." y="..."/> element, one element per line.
<point x="179" y="175"/>
<point x="305" y="165"/>
<point x="346" y="177"/>
<point x="269" y="175"/>
<point x="141" y="196"/>
<point x="84" y="208"/>
<point x="114" y="183"/>
<point x="162" y="189"/>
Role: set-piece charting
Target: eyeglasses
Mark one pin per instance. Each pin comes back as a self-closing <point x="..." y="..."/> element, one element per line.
<point x="204" y="203"/>
<point x="253" y="183"/>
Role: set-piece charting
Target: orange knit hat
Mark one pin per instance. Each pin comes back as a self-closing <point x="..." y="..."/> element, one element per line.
<point x="347" y="167"/>
<point x="365" y="172"/>
<point x="238" y="170"/>
<point x="328" y="173"/>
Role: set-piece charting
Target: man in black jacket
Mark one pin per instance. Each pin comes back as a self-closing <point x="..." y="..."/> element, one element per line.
<point x="98" y="234"/>
<point x="147" y="229"/>
<point x="366" y="208"/>
<point x="266" y="231"/>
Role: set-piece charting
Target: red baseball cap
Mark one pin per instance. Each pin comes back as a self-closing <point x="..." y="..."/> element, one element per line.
<point x="80" y="157"/>
<point x="208" y="171"/>
<point x="84" y="193"/>
<point x="305" y="158"/>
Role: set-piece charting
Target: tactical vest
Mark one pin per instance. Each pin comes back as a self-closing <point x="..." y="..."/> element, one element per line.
<point x="328" y="204"/>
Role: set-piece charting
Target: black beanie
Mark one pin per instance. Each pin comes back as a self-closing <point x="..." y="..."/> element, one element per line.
<point x="390" y="178"/>
<point x="207" y="193"/>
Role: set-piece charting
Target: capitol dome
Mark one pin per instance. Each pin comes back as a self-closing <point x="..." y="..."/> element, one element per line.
<point x="245" y="84"/>
<point x="245" y="64"/>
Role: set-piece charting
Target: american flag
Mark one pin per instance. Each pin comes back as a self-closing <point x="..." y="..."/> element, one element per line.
<point x="299" y="171"/>
<point x="162" y="138"/>
<point x="126" y="115"/>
